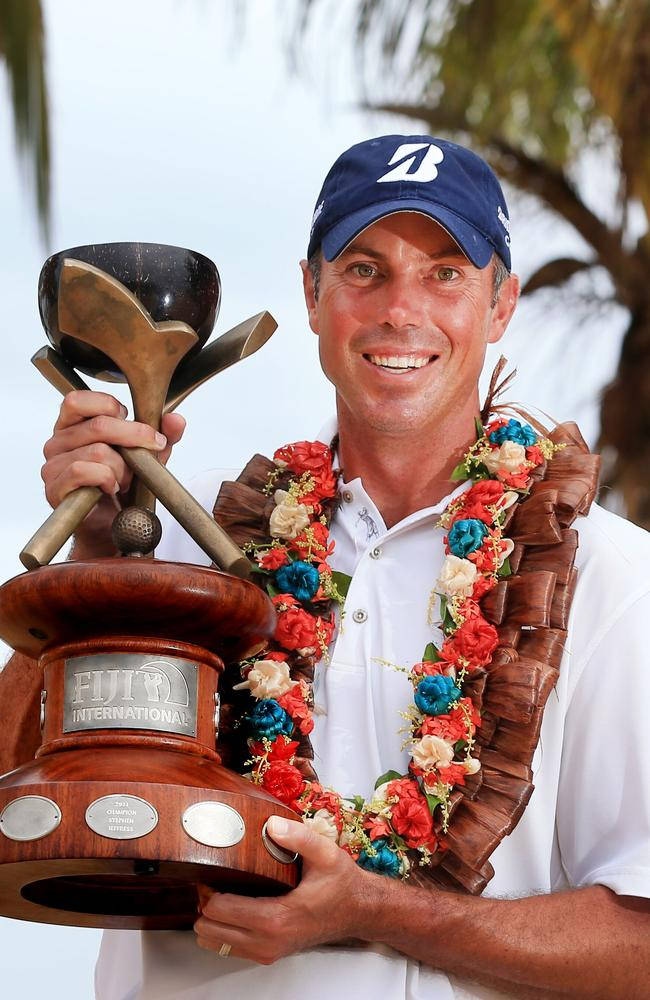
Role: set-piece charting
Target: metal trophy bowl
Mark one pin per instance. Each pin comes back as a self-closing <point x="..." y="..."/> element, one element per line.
<point x="127" y="806"/>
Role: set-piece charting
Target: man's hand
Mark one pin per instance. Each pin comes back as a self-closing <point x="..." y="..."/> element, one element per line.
<point x="330" y="903"/>
<point x="79" y="453"/>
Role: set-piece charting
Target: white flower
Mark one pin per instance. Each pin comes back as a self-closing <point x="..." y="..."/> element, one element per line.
<point x="430" y="751"/>
<point x="380" y="793"/>
<point x="322" y="822"/>
<point x="472" y="765"/>
<point x="506" y="500"/>
<point x="457" y="577"/>
<point x="507" y="459"/>
<point x="289" y="517"/>
<point x="267" y="679"/>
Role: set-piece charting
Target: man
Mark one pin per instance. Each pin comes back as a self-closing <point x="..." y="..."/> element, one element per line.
<point x="407" y="282"/>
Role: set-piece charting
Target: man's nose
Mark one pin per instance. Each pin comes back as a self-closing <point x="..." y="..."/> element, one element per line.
<point x="401" y="301"/>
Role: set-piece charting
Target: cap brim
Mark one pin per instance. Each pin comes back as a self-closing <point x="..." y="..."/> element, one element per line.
<point x="475" y="247"/>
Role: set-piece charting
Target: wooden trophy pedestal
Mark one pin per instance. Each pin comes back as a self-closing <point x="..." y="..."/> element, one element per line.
<point x="127" y="807"/>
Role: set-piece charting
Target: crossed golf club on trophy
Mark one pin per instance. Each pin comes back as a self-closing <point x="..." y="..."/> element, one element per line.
<point x="94" y="319"/>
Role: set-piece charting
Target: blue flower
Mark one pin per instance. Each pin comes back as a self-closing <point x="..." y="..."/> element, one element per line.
<point x="466" y="535"/>
<point x="435" y="693"/>
<point x="384" y="862"/>
<point x="269" y="719"/>
<point x="298" y="578"/>
<point x="515" y="431"/>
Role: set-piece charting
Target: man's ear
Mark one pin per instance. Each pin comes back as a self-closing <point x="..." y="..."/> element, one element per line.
<point x="503" y="308"/>
<point x="310" y="296"/>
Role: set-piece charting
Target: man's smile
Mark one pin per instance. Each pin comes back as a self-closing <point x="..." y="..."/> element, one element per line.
<point x="399" y="363"/>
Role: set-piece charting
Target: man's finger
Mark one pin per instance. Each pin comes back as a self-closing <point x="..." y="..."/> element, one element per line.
<point x="295" y="836"/>
<point x="108" y="430"/>
<point x="82" y="403"/>
<point x="238" y="911"/>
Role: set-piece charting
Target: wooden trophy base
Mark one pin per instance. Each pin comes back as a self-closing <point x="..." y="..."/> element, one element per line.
<point x="127" y="807"/>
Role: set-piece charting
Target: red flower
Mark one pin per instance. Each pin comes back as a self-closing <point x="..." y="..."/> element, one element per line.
<point x="284" y="781"/>
<point x="494" y="425"/>
<point x="403" y="788"/>
<point x="453" y="725"/>
<point x="474" y="641"/>
<point x="452" y="775"/>
<point x="517" y="480"/>
<point x="444" y="726"/>
<point x="485" y="493"/>
<point x="293" y="702"/>
<point x="429" y="669"/>
<point x="376" y="826"/>
<point x="534" y="454"/>
<point x="281" y="749"/>
<point x="412" y="820"/>
<point x="482" y="585"/>
<point x="312" y="457"/>
<point x="315" y="546"/>
<point x="285" y="599"/>
<point x="296" y="629"/>
<point x="275" y="655"/>
<point x="273" y="559"/>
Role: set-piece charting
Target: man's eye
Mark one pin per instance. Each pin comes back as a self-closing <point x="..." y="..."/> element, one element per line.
<point x="446" y="273"/>
<point x="364" y="270"/>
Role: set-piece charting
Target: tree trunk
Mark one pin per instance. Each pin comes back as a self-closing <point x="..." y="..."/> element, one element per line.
<point x="625" y="422"/>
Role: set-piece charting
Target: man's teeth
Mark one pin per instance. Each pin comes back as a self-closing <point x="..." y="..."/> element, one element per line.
<point x="408" y="361"/>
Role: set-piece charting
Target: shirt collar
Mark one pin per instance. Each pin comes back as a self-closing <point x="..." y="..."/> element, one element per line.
<point x="356" y="487"/>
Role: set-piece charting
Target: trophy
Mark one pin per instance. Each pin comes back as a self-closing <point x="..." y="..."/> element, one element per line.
<point x="127" y="807"/>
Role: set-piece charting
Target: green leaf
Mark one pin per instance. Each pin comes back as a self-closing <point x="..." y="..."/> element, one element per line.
<point x="430" y="654"/>
<point x="459" y="745"/>
<point x="448" y="623"/>
<point x="342" y="582"/>
<point x="432" y="801"/>
<point x="272" y="590"/>
<point x="358" y="802"/>
<point x="443" y="606"/>
<point x="479" y="428"/>
<point x="505" y="570"/>
<point x="388" y="776"/>
<point x="460" y="473"/>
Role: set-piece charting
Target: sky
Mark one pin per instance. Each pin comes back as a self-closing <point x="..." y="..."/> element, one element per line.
<point x="172" y="123"/>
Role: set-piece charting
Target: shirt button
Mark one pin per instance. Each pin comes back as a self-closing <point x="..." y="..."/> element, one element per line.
<point x="360" y="616"/>
<point x="347" y="496"/>
<point x="375" y="553"/>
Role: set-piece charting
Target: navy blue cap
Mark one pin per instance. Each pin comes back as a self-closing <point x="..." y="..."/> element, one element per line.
<point x="413" y="173"/>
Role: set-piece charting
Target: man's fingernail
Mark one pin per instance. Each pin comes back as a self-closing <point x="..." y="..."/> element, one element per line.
<point x="278" y="827"/>
<point x="161" y="440"/>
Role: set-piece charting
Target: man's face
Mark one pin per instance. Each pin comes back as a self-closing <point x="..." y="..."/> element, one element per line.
<point x="403" y="319"/>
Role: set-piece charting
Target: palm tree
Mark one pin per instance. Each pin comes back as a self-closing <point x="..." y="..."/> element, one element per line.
<point x="22" y="48"/>
<point x="534" y="85"/>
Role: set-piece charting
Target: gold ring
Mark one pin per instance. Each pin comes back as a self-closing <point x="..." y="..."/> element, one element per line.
<point x="225" y="950"/>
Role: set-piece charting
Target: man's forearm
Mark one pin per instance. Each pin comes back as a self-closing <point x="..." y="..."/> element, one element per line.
<point x="586" y="943"/>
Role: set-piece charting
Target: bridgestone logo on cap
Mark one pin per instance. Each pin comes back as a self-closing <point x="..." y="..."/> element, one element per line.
<point x="404" y="156"/>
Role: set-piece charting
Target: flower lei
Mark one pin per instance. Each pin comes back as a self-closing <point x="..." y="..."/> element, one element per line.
<point x="408" y="814"/>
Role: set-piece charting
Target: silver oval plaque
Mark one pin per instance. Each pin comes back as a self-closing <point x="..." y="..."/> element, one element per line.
<point x="277" y="852"/>
<point x="214" y="824"/>
<point x="29" y="817"/>
<point x="121" y="817"/>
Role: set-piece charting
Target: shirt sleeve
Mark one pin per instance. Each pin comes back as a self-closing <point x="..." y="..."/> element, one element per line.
<point x="603" y="808"/>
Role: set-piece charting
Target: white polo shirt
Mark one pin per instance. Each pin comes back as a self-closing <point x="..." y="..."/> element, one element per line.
<point x="588" y="820"/>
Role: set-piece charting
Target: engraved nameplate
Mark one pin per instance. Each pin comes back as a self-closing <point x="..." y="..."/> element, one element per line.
<point x="121" y="817"/>
<point x="214" y="824"/>
<point x="130" y="691"/>
<point x="29" y="817"/>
